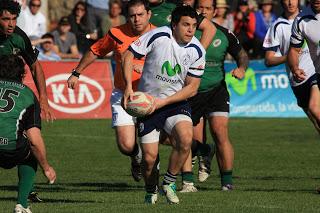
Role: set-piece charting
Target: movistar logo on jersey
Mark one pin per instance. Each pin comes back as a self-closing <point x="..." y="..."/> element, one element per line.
<point x="170" y="71"/>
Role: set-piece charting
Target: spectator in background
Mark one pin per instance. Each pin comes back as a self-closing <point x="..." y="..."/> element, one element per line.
<point x="81" y="27"/>
<point x="97" y="9"/>
<point x="65" y="41"/>
<point x="32" y="21"/>
<point x="46" y="52"/>
<point x="244" y="26"/>
<point x="222" y="18"/>
<point x="114" y="17"/>
<point x="264" y="19"/>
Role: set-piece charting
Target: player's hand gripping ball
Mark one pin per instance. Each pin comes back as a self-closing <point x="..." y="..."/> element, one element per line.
<point x="140" y="105"/>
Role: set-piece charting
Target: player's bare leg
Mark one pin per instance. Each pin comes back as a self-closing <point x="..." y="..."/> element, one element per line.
<point x="126" y="141"/>
<point x="225" y="154"/>
<point x="313" y="111"/>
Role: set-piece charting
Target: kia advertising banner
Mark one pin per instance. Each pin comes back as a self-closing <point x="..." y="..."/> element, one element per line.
<point x="91" y="97"/>
<point x="264" y="92"/>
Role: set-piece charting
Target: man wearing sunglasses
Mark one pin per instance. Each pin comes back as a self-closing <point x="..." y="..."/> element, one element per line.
<point x="32" y="21"/>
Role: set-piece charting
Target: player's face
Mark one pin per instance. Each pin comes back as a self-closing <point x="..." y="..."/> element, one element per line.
<point x="8" y="22"/>
<point x="139" y="18"/>
<point x="185" y="29"/>
<point x="291" y="6"/>
<point x="315" y="5"/>
<point x="206" y="9"/>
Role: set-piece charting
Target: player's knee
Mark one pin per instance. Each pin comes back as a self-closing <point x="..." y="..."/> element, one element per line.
<point x="149" y="159"/>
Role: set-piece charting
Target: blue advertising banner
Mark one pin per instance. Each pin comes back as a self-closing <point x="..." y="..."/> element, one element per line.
<point x="264" y="92"/>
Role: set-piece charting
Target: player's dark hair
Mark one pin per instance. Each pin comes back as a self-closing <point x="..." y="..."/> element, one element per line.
<point x="9" y="5"/>
<point x="184" y="10"/>
<point x="12" y="67"/>
<point x="133" y="3"/>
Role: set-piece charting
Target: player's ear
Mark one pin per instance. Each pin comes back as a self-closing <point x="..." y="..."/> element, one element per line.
<point x="149" y="14"/>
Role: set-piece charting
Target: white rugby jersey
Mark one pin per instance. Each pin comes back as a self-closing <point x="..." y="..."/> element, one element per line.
<point x="167" y="63"/>
<point x="277" y="39"/>
<point x="307" y="26"/>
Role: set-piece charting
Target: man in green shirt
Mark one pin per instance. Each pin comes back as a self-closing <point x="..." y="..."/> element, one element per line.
<point x="212" y="102"/>
<point x="21" y="143"/>
<point x="14" y="41"/>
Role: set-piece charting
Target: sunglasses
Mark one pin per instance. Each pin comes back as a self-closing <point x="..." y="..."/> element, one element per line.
<point x="80" y="8"/>
<point x="35" y="5"/>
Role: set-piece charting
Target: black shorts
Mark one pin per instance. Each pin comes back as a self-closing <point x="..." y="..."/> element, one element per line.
<point x="213" y="101"/>
<point x="11" y="158"/>
<point x="158" y="119"/>
<point x="302" y="92"/>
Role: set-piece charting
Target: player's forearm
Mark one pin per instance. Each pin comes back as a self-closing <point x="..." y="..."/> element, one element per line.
<point x="127" y="67"/>
<point x="85" y="61"/>
<point x="38" y="147"/>
<point x="293" y="58"/>
<point x="208" y="32"/>
<point x="39" y="80"/>
<point x="186" y="92"/>
<point x="242" y="59"/>
<point x="272" y="60"/>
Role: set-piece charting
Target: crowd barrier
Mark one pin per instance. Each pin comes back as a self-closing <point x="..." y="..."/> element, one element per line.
<point x="264" y="92"/>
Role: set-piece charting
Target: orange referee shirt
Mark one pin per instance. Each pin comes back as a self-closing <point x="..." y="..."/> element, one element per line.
<point x="118" y="40"/>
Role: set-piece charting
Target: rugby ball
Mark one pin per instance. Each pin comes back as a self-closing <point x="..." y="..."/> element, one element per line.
<point x="140" y="105"/>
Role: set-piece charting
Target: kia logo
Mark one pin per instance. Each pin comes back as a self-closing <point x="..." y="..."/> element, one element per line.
<point x="88" y="96"/>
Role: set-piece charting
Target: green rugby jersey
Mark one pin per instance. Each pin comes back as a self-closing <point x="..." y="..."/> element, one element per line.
<point x="19" y="44"/>
<point x="161" y="13"/>
<point x="223" y="42"/>
<point x="19" y="111"/>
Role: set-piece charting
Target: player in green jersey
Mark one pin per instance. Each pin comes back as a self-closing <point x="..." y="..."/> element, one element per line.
<point x="14" y="41"/>
<point x="21" y="143"/>
<point x="161" y="16"/>
<point x="212" y="101"/>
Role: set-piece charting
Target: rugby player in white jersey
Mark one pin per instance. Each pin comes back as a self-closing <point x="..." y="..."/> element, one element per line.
<point x="174" y="64"/>
<point x="306" y="27"/>
<point x="277" y="43"/>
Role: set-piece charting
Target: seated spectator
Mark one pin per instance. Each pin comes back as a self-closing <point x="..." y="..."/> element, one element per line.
<point x="114" y="17"/>
<point x="46" y="52"/>
<point x="264" y="19"/>
<point x="32" y="21"/>
<point x="222" y="18"/>
<point x="65" y="42"/>
<point x="244" y="26"/>
<point x="80" y="26"/>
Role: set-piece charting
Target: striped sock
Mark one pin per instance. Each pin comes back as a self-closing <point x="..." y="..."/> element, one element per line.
<point x="169" y="178"/>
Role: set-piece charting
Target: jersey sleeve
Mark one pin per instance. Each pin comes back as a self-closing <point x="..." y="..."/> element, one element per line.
<point x="271" y="40"/>
<point x="29" y="54"/>
<point x="234" y="44"/>
<point x="297" y="38"/>
<point x="104" y="45"/>
<point x="31" y="118"/>
<point x="196" y="69"/>
<point x="143" y="45"/>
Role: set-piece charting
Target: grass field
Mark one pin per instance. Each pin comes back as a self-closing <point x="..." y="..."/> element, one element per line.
<point x="276" y="170"/>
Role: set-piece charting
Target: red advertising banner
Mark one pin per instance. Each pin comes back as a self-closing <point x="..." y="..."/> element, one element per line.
<point x="89" y="100"/>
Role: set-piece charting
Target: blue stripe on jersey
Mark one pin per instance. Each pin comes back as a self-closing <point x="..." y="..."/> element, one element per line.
<point x="193" y="75"/>
<point x="197" y="48"/>
<point x="157" y="35"/>
<point x="274" y="49"/>
<point x="297" y="38"/>
<point x="296" y="45"/>
<point x="277" y="24"/>
<point x="305" y="17"/>
<point x="136" y="55"/>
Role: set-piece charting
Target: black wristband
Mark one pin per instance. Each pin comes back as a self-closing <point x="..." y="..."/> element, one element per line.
<point x="75" y="73"/>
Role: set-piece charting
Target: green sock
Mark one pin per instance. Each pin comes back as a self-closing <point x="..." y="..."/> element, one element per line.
<point x="187" y="177"/>
<point x="26" y="172"/>
<point x="226" y="177"/>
